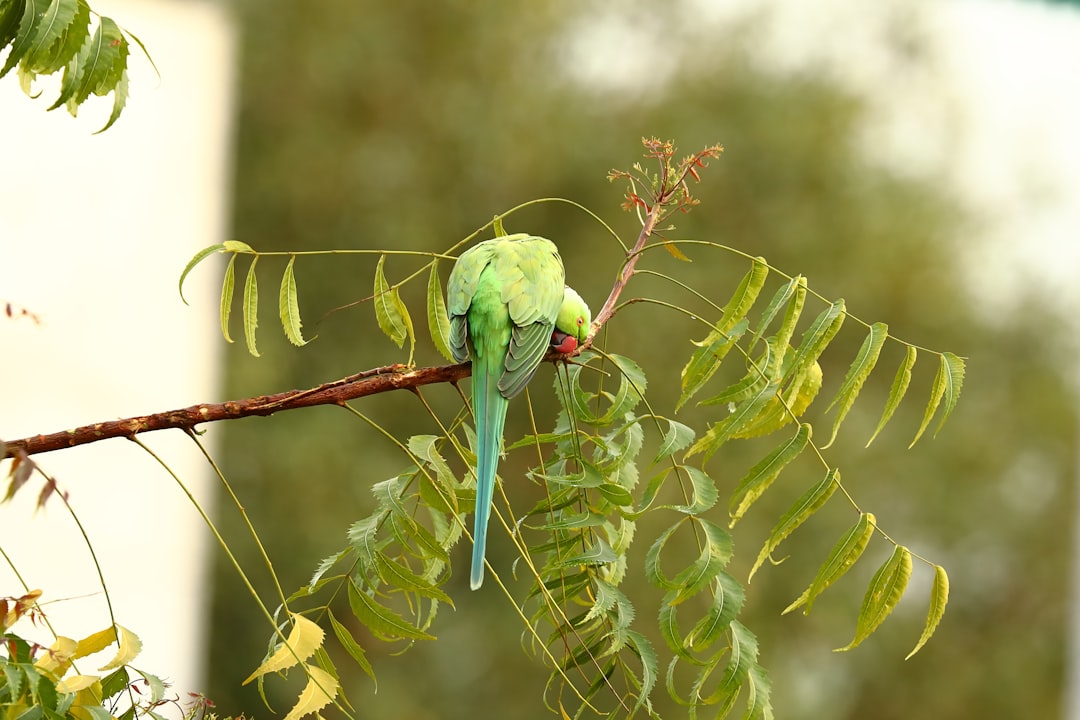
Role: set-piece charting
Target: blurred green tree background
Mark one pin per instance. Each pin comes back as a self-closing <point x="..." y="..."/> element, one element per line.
<point x="407" y="125"/>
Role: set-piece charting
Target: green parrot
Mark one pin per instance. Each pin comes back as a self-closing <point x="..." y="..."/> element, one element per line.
<point x="508" y="304"/>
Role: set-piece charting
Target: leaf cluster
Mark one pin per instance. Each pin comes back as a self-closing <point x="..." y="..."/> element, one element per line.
<point x="46" y="37"/>
<point x="47" y="682"/>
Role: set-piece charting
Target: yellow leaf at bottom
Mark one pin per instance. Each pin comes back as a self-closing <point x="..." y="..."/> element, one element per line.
<point x="320" y="691"/>
<point x="304" y="639"/>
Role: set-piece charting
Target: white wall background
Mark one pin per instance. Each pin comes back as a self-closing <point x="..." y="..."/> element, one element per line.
<point x="94" y="231"/>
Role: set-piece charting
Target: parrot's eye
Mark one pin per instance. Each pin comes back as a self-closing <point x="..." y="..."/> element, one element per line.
<point x="580" y="320"/>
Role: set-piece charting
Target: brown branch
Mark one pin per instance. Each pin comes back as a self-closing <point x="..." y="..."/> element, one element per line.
<point x="369" y="382"/>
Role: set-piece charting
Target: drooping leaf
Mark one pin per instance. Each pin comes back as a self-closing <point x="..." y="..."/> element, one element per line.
<point x="728" y="599"/>
<point x="388" y="308"/>
<point x="251" y="307"/>
<point x="128" y="648"/>
<point x="706" y="359"/>
<point x="950" y="375"/>
<point x="24" y="36"/>
<point x="63" y="29"/>
<point x="783" y="295"/>
<point x="11" y="13"/>
<point x="355" y="650"/>
<point x="939" y="598"/>
<point x="759" y="694"/>
<point x="303" y="640"/>
<point x="953" y="369"/>
<point x="199" y="257"/>
<point x="745" y="295"/>
<point x="816" y="339"/>
<point x="96" y="642"/>
<point x="786" y="406"/>
<point x="896" y="393"/>
<point x="643" y="649"/>
<point x="743" y="656"/>
<point x="228" y="285"/>
<point x="120" y="95"/>
<point x="724" y="430"/>
<point x="848" y="549"/>
<point x="762" y="475"/>
<point x="320" y="691"/>
<point x="857" y="373"/>
<point x="885" y="590"/>
<point x="288" y="305"/>
<point x="383" y="622"/>
<point x="703" y="491"/>
<point x="56" y="659"/>
<point x="809" y="503"/>
<point x="438" y="321"/>
<point x="676" y="438"/>
<point x="398" y="576"/>
<point x="600" y="553"/>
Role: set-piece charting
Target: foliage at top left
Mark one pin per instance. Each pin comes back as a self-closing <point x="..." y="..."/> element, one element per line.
<point x="45" y="37"/>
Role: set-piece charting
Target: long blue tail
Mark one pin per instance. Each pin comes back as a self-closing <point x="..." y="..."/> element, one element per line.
<point x="489" y="410"/>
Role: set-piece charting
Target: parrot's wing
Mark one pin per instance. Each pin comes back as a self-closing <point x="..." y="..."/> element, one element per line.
<point x="532" y="277"/>
<point x="460" y="291"/>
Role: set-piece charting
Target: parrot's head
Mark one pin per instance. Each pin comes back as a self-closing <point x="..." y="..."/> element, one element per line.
<point x="572" y="323"/>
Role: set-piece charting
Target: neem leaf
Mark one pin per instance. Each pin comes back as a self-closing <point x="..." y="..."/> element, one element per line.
<point x="199" y="257"/>
<point x="438" y="321"/>
<point x="896" y="394"/>
<point x="939" y="598"/>
<point x="251" y="307"/>
<point x="304" y="639"/>
<point x="228" y="284"/>
<point x="388" y="307"/>
<point x="288" y="306"/>
<point x="885" y="590"/>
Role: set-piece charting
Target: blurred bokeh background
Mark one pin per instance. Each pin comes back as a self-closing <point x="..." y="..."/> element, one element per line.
<point x="917" y="158"/>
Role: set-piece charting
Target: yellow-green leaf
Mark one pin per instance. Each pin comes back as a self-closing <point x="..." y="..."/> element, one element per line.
<point x="724" y="430"/>
<point x="251" y="307"/>
<point x="896" y="394"/>
<point x="438" y="321"/>
<point x="76" y="683"/>
<point x="939" y="598"/>
<point x="129" y="647"/>
<point x="235" y="246"/>
<point x="57" y="657"/>
<point x="952" y="368"/>
<point x="388" y="308"/>
<point x="228" y="285"/>
<point x="942" y="379"/>
<point x="320" y="691"/>
<point x="96" y="642"/>
<point x="304" y="639"/>
<point x="886" y="588"/>
<point x="784" y="294"/>
<point x="816" y="339"/>
<point x="199" y="257"/>
<point x="289" y="307"/>
<point x="745" y="294"/>
<point x="841" y="558"/>
<point x="706" y="359"/>
<point x="857" y="373"/>
<point x="777" y="414"/>
<point x="801" y="511"/>
<point x="762" y="475"/>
